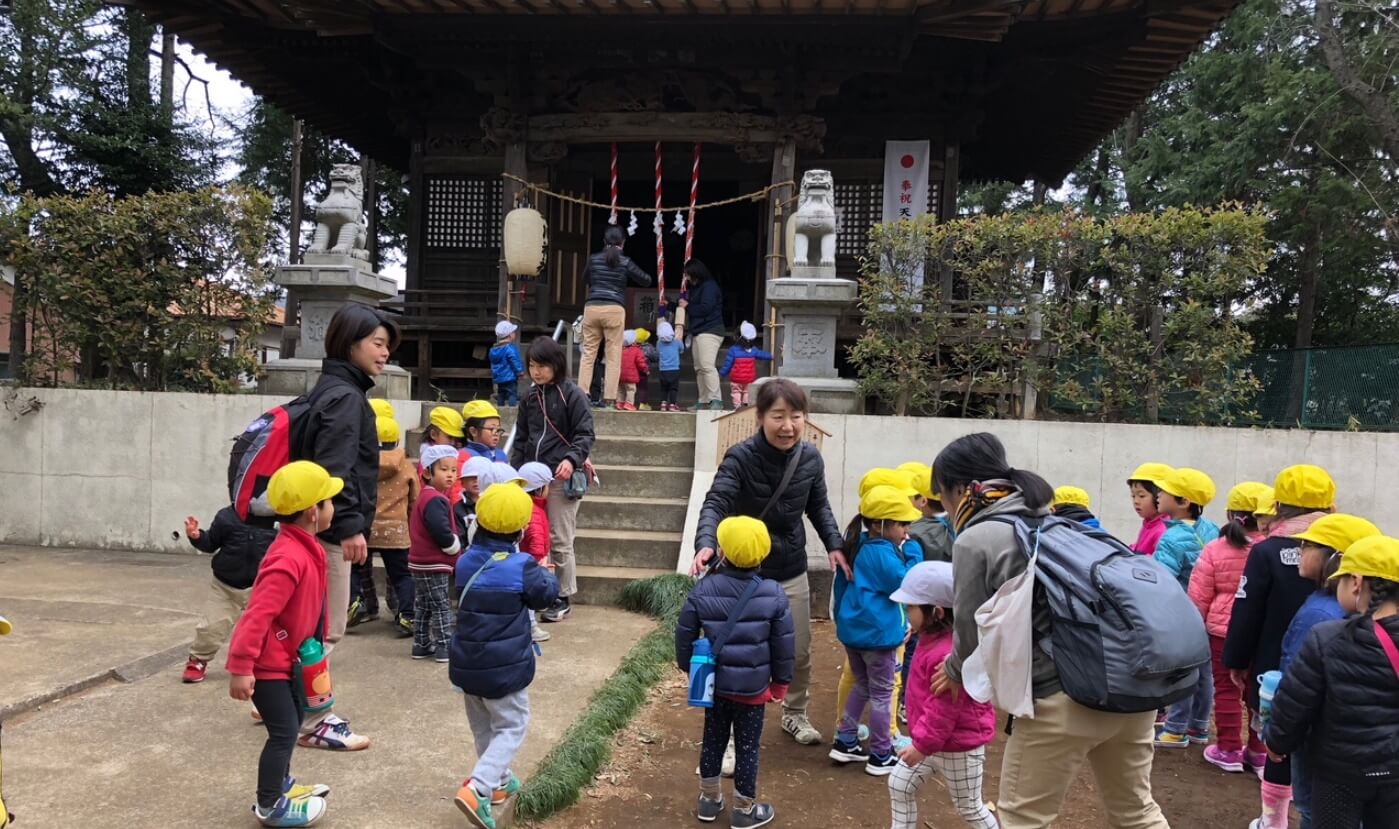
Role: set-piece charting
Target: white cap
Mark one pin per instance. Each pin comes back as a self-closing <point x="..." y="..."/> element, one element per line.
<point x="476" y="466"/>
<point x="436" y="452"/>
<point x="536" y="475"/>
<point x="929" y="582"/>
<point x="665" y="330"/>
<point x="747" y="331"/>
<point x="499" y="473"/>
<point x="629" y="336"/>
<point x="505" y="328"/>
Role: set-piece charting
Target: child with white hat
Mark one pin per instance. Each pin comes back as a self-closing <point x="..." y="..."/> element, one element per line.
<point x="741" y="367"/>
<point x="506" y="364"/>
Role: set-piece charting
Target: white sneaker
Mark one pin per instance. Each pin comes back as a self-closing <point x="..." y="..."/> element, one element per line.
<point x="539" y="634"/>
<point x="334" y="734"/>
<point x="730" y="760"/>
<point x="801" y="729"/>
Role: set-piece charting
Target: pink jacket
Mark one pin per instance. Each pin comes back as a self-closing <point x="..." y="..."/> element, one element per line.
<point x="943" y="724"/>
<point x="1150" y="536"/>
<point x="1215" y="581"/>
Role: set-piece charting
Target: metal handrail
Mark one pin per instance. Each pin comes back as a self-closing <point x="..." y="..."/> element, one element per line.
<point x="510" y="441"/>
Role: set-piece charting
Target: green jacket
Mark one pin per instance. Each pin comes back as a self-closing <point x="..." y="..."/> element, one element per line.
<point x="934" y="536"/>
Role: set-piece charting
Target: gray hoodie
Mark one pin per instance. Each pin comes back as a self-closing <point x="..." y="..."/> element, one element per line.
<point x="985" y="556"/>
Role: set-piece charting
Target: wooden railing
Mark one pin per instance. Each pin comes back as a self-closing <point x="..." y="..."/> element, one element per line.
<point x="444" y="309"/>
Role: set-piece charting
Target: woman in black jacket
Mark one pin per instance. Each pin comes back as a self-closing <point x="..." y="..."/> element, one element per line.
<point x="704" y="321"/>
<point x="748" y="483"/>
<point x="555" y="427"/>
<point x="605" y="314"/>
<point x="340" y="434"/>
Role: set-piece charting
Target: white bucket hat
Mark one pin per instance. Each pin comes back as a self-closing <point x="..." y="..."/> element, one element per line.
<point x="929" y="582"/>
<point x="747" y="331"/>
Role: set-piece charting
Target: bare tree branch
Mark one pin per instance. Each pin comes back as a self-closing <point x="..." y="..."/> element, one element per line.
<point x="184" y="93"/>
<point x="1375" y="105"/>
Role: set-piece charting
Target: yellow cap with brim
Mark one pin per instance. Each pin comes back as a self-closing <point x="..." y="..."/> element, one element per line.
<point x="5" y="626"/>
<point x="1265" y="502"/>
<point x="920" y="477"/>
<point x="744" y="541"/>
<point x="504" y="509"/>
<point x="1337" y="531"/>
<point x="1150" y="471"/>
<point x="1190" y="484"/>
<point x="381" y="407"/>
<point x="887" y="503"/>
<point x="881" y="476"/>
<point x="1243" y="497"/>
<point x="1065" y="495"/>
<point x="300" y="485"/>
<point x="1306" y="486"/>
<point x="1375" y="557"/>
<point x="479" y="410"/>
<point x="388" y="429"/>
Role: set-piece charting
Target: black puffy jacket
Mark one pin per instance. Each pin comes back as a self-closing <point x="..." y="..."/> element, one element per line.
<point x="743" y="485"/>
<point x="1270" y="594"/>
<point x="760" y="651"/>
<point x="1340" y="701"/>
<point x="607" y="284"/>
<point x="339" y="433"/>
<point x="705" y="311"/>
<point x="555" y="422"/>
<point x="238" y="548"/>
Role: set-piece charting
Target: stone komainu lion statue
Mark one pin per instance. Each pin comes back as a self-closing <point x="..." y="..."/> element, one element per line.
<point x="815" y="219"/>
<point x="340" y="215"/>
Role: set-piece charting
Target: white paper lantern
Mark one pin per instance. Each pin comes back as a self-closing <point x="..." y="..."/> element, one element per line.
<point x="526" y="241"/>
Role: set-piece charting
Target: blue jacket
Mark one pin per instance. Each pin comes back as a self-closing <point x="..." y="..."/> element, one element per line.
<point x="1182" y="544"/>
<point x="762" y="648"/>
<point x="742" y="362"/>
<point x="491" y="653"/>
<point x="865" y="616"/>
<point x="1319" y="607"/>
<point x="669" y="354"/>
<point x="474" y="449"/>
<point x="705" y="311"/>
<point x="506" y="365"/>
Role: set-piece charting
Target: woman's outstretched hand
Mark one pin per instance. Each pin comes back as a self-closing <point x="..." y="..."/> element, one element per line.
<point x="838" y="562"/>
<point x="701" y="561"/>
<point x="944" y="684"/>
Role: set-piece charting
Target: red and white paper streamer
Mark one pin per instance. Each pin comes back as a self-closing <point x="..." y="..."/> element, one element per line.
<point x="659" y="227"/>
<point x="612" y="220"/>
<point x="694" y="195"/>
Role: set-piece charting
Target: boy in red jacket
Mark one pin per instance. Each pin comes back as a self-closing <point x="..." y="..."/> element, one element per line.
<point x="634" y="370"/>
<point x="287" y="607"/>
<point x="741" y="366"/>
<point x="536" y="540"/>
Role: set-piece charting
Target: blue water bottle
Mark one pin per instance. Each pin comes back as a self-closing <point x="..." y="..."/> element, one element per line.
<point x="1267" y="687"/>
<point x="702" y="675"/>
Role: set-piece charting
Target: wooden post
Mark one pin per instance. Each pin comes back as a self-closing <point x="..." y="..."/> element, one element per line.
<point x="291" y="319"/>
<point x="1035" y="334"/>
<point x="368" y="172"/>
<point x="417" y="208"/>
<point x="1157" y="339"/>
<point x="784" y="168"/>
<point x="516" y="164"/>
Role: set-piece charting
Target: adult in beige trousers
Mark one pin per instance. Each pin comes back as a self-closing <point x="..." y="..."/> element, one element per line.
<point x="605" y="315"/>
<point x="1044" y="754"/>
<point x="704" y="321"/>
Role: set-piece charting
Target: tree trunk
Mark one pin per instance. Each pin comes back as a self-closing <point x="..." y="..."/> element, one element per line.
<point x="1097" y="186"/>
<point x="1309" y="274"/>
<point x="35" y="174"/>
<point x="19" y="330"/>
<point x="1375" y="104"/>
<point x="139" y="33"/>
<point x="167" y="77"/>
<point x="1131" y="133"/>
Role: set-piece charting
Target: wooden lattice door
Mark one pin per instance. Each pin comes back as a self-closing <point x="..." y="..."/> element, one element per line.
<point x="570" y="235"/>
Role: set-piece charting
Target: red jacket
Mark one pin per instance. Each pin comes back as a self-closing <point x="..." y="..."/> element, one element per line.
<point x="1215" y="580"/>
<point x="284" y="609"/>
<point x="634" y="365"/>
<point x="536" y="540"/>
<point x="948" y="722"/>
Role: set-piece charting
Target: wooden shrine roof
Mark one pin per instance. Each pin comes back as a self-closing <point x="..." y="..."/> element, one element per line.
<point x="1039" y="82"/>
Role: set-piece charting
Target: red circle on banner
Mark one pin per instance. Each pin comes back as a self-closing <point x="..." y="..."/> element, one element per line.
<point x="906" y="162"/>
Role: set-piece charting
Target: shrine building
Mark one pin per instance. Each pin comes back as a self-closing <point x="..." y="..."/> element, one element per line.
<point x="455" y="93"/>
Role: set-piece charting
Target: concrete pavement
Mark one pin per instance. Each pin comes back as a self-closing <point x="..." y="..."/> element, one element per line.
<point x="155" y="751"/>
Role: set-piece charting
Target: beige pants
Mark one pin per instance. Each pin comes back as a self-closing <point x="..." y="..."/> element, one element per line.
<point x="337" y="602"/>
<point x="628" y="392"/>
<point x="1043" y="756"/>
<point x="563" y="524"/>
<point x="602" y="324"/>
<point x="798" y="592"/>
<point x="222" y="607"/>
<point x="706" y="372"/>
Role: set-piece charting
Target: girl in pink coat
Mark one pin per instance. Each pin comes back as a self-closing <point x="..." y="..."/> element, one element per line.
<point x="1213" y="585"/>
<point x="950" y="732"/>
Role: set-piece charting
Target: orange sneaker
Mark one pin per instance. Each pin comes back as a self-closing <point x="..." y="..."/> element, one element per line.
<point x="477" y="810"/>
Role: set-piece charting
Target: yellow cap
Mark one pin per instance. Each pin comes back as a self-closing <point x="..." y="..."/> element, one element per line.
<point x="744" y="541"/>
<point x="1375" y="556"/>
<point x="880" y="476"/>
<point x="1190" y="484"/>
<point x="479" y="410"/>
<point x="300" y="485"/>
<point x="381" y="407"/>
<point x="446" y="419"/>
<point x="1150" y="471"/>
<point x="643" y="336"/>
<point x="920" y="477"/>
<point x="1071" y="495"/>
<point x="1265" y="502"/>
<point x="1338" y="531"/>
<point x="1243" y="497"/>
<point x="5" y="626"/>
<point x="388" y="429"/>
<point x="887" y="503"/>
<point x="1306" y="486"/>
<point x="504" y="509"/>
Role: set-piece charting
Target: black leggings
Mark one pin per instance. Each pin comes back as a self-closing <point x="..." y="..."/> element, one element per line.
<point x="746" y="724"/>
<point x="670" y="386"/>
<point x="281" y="713"/>
<point x="1374" y="803"/>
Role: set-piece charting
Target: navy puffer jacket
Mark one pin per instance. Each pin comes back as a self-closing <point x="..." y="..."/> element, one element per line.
<point x="762" y="648"/>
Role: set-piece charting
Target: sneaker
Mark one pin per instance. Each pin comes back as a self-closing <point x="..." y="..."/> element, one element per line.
<point x="558" y="612"/>
<point x="539" y="634"/>
<point x="1230" y="761"/>
<point x="420" y="652"/>
<point x="355" y="615"/>
<point x="292" y="812"/>
<point x="291" y="790"/>
<point x="1198" y="737"/>
<point x="801" y="729"/>
<point x="851" y="752"/>
<point x="644" y="407"/>
<point x="442" y="655"/>
<point x="730" y="761"/>
<point x="878" y="766"/>
<point x="334" y="734"/>
<point x="709" y="810"/>
<point x="476" y="809"/>
<point x="404" y="623"/>
<point x="1168" y="739"/>
<point x="507" y="791"/>
<point x="760" y="815"/>
<point x="195" y="669"/>
<point x="1255" y="759"/>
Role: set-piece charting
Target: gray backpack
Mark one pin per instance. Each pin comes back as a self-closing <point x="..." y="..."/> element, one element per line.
<point x="1126" y="638"/>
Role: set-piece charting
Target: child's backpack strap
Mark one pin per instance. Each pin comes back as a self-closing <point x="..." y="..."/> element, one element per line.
<point x="1390" y="649"/>
<point x="495" y="557"/>
<point x="734" y="613"/>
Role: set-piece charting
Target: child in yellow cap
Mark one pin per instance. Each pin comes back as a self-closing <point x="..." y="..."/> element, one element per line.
<point x="1142" y="486"/>
<point x="399" y="486"/>
<point x="481" y="423"/>
<point x="1072" y="502"/>
<point x="1338" y="704"/>
<point x="933" y="531"/>
<point x="492" y="657"/>
<point x="286" y="608"/>
<point x="749" y="623"/>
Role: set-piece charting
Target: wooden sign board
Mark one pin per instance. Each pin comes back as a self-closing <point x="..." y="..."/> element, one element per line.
<point x="741" y="424"/>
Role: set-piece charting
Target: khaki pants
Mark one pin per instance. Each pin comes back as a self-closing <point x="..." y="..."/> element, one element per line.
<point x="602" y="324"/>
<point x="1044" y="754"/>
<point x="798" y="592"/>
<point x="706" y="372"/>
<point x="337" y="603"/>
<point x="628" y="392"/>
<point x="222" y="607"/>
<point x="563" y="524"/>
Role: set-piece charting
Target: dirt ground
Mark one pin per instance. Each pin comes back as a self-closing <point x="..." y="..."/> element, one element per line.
<point x="651" y="780"/>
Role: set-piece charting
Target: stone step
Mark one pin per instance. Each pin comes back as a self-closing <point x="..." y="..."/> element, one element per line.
<point x="622" y="481"/>
<point x="597" y="546"/>
<point x="603" y="585"/>
<point x="632" y="450"/>
<point x="608" y="422"/>
<point x="606" y="511"/>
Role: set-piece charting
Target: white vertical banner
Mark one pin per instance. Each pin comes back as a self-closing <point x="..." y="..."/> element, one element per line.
<point x="905" y="179"/>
